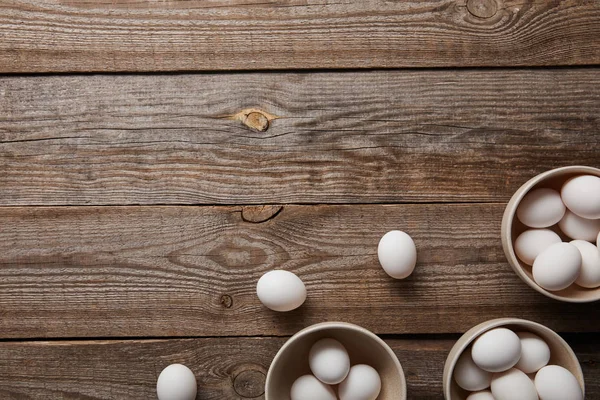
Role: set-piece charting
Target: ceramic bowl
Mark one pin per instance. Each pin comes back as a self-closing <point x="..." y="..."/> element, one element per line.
<point x="363" y="346"/>
<point x="560" y="352"/>
<point x="512" y="228"/>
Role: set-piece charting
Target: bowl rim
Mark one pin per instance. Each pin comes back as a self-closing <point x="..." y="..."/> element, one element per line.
<point x="469" y="336"/>
<point x="509" y="216"/>
<point x="337" y="325"/>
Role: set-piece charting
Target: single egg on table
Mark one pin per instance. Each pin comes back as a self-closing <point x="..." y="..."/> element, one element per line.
<point x="532" y="242"/>
<point x="307" y="387"/>
<point x="468" y="375"/>
<point x="581" y="195"/>
<point x="589" y="276"/>
<point x="176" y="382"/>
<point x="496" y="350"/>
<point x="484" y="395"/>
<point x="554" y="382"/>
<point x="281" y="290"/>
<point x="541" y="208"/>
<point x="362" y="383"/>
<point x="512" y="385"/>
<point x="535" y="353"/>
<point x="557" y="267"/>
<point x="397" y="254"/>
<point x="579" y="228"/>
<point x="329" y="361"/>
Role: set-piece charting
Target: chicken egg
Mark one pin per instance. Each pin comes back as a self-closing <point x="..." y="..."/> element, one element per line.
<point x="176" y="382"/>
<point x="557" y="267"/>
<point x="589" y="276"/>
<point x="307" y="387"/>
<point x="496" y="350"/>
<point x="329" y="361"/>
<point x="469" y="376"/>
<point x="485" y="395"/>
<point x="513" y="384"/>
<point x="362" y="383"/>
<point x="281" y="290"/>
<point x="397" y="254"/>
<point x="581" y="195"/>
<point x="579" y="228"/>
<point x="532" y="242"/>
<point x="554" y="382"/>
<point x="535" y="353"/>
<point x="541" y="208"/>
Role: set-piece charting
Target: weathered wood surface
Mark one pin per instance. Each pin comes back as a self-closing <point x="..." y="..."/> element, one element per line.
<point x="121" y="35"/>
<point x="192" y="271"/>
<point x="387" y="136"/>
<point x="229" y="369"/>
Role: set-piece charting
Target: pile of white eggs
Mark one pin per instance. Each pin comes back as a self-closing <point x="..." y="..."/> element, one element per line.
<point x="504" y="365"/>
<point x="556" y="265"/>
<point x="330" y="365"/>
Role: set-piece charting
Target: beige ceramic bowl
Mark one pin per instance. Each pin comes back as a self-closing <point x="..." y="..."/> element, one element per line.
<point x="512" y="228"/>
<point x="364" y="347"/>
<point x="560" y="352"/>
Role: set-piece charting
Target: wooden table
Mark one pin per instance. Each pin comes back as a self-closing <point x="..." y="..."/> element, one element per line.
<point x="157" y="157"/>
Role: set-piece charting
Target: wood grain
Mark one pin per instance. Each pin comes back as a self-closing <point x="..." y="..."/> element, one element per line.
<point x="387" y="136"/>
<point x="192" y="271"/>
<point x="228" y="369"/>
<point x="123" y="35"/>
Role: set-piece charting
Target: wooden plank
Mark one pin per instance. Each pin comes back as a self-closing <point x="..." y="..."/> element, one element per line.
<point x="192" y="271"/>
<point x="232" y="368"/>
<point x="121" y="35"/>
<point x="387" y="136"/>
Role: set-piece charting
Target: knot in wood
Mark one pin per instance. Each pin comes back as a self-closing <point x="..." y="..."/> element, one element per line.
<point x="258" y="214"/>
<point x="249" y="384"/>
<point x="226" y="301"/>
<point x="257" y="120"/>
<point x="482" y="8"/>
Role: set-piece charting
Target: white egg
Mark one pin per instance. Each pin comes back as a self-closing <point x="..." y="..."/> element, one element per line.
<point x="176" y="382"/>
<point x="589" y="277"/>
<point x="468" y="375"/>
<point x="535" y="353"/>
<point x="512" y="385"/>
<point x="532" y="242"/>
<point x="598" y="240"/>
<point x="557" y="383"/>
<point x="579" y="228"/>
<point x="329" y="361"/>
<point x="281" y="290"/>
<point x="496" y="350"/>
<point x="541" y="208"/>
<point x="397" y="254"/>
<point x="485" y="395"/>
<point x="581" y="195"/>
<point x="362" y="383"/>
<point x="307" y="387"/>
<point x="557" y="267"/>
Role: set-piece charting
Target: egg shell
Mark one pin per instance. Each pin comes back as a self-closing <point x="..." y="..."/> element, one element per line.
<point x="541" y="208"/>
<point x="496" y="350"/>
<point x="397" y="254"/>
<point x="468" y="375"/>
<point x="557" y="267"/>
<point x="554" y="382"/>
<point x="598" y="240"/>
<point x="176" y="382"/>
<point x="281" y="290"/>
<point x="307" y="387"/>
<point x="512" y="385"/>
<point x="589" y="276"/>
<point x="329" y="361"/>
<point x="581" y="195"/>
<point x="485" y="395"/>
<point x="362" y="383"/>
<point x="535" y="353"/>
<point x="579" y="228"/>
<point x="532" y="242"/>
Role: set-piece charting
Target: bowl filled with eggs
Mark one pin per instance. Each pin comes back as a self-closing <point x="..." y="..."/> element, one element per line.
<point x="551" y="233"/>
<point x="507" y="359"/>
<point x="335" y="360"/>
